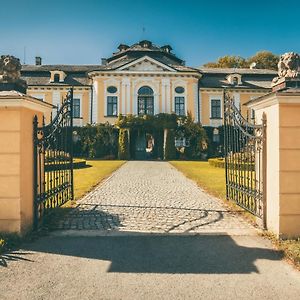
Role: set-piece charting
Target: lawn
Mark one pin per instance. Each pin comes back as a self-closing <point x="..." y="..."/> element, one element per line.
<point x="97" y="170"/>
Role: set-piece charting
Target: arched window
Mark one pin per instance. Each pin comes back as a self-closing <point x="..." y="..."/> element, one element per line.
<point x="56" y="78"/>
<point x="145" y="101"/>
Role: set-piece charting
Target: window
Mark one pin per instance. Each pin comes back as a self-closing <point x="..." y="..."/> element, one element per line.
<point x="76" y="108"/>
<point x="252" y="114"/>
<point x="215" y="109"/>
<point x="56" y="78"/>
<point x="112" y="89"/>
<point x="112" y="106"/>
<point x="235" y="81"/>
<point x="179" y="106"/>
<point x="179" y="90"/>
<point x="145" y="101"/>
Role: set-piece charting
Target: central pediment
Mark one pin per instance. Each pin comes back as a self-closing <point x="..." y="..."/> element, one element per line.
<point x="148" y="64"/>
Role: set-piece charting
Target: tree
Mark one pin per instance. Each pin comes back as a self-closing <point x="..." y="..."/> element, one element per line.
<point x="264" y="60"/>
<point x="170" y="150"/>
<point x="228" y="61"/>
<point x="124" y="150"/>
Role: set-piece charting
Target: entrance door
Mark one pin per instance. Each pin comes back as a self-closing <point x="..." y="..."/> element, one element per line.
<point x="140" y="146"/>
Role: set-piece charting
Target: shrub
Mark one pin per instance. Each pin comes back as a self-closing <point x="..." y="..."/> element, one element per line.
<point x="220" y="163"/>
<point x="195" y="134"/>
<point x="124" y="150"/>
<point x="96" y="141"/>
<point x="217" y="162"/>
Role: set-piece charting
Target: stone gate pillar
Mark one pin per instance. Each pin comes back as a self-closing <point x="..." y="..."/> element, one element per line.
<point x="282" y="109"/>
<point x="16" y="159"/>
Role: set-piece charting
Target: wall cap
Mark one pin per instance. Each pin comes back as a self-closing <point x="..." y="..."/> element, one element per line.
<point x="17" y="99"/>
<point x="273" y="98"/>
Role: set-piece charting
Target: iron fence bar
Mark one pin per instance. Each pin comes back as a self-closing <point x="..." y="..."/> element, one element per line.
<point x="71" y="144"/>
<point x="245" y="159"/>
<point x="225" y="142"/>
<point x="53" y="161"/>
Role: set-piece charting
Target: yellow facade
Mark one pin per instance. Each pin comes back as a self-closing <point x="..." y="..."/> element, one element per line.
<point x="145" y="64"/>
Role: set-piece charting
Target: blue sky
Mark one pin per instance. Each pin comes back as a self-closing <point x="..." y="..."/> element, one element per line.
<point x="82" y="32"/>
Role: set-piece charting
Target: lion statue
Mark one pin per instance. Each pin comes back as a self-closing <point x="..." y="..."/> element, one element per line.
<point x="10" y="68"/>
<point x="289" y="65"/>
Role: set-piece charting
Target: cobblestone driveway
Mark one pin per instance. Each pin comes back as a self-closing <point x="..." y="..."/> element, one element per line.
<point x="151" y="197"/>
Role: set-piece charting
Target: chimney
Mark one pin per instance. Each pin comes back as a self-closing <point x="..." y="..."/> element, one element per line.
<point x="38" y="61"/>
<point x="103" y="61"/>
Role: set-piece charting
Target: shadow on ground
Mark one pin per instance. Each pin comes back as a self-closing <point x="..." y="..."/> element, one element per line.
<point x="173" y="254"/>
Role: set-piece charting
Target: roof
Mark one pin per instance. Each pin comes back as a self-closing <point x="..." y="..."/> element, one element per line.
<point x="251" y="78"/>
<point x="77" y="75"/>
<point x="65" y="68"/>
<point x="143" y="48"/>
<point x="236" y="71"/>
<point x="40" y="75"/>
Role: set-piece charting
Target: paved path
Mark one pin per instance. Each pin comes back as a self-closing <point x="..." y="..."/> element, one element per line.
<point x="155" y="250"/>
<point x="152" y="197"/>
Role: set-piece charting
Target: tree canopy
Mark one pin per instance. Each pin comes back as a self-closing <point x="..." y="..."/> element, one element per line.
<point x="262" y="60"/>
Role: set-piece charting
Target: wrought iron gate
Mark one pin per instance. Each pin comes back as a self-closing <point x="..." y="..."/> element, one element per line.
<point x="244" y="145"/>
<point x="53" y="161"/>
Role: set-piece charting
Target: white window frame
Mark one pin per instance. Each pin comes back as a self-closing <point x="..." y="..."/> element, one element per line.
<point x="78" y="121"/>
<point x="216" y="122"/>
<point x="117" y="84"/>
<point x="184" y="94"/>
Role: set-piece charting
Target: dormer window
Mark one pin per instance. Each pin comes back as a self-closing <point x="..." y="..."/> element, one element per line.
<point x="57" y="76"/>
<point x="145" y="44"/>
<point x="123" y="47"/>
<point x="234" y="79"/>
<point x="167" y="48"/>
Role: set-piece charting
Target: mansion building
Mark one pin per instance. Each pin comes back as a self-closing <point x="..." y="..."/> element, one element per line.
<point x="144" y="79"/>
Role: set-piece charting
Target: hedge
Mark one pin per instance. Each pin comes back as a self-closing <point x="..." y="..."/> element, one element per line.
<point x="96" y="141"/>
<point x="77" y="164"/>
<point x="220" y="163"/>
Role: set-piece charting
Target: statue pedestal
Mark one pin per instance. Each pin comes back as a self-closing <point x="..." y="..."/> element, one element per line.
<point x="282" y="110"/>
<point x="284" y="83"/>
